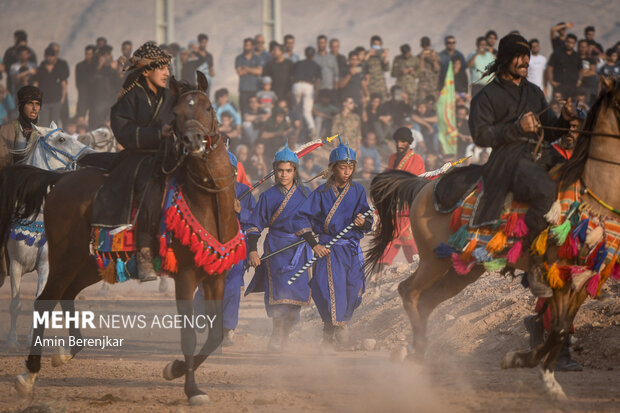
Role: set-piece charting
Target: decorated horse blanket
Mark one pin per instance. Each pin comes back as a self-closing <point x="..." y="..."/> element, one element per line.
<point x="587" y="243"/>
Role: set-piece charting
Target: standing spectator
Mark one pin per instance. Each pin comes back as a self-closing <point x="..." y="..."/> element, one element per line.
<point x="100" y="42"/>
<point x="51" y="78"/>
<point x="464" y="135"/>
<point x="22" y="71"/>
<point x="280" y="70"/>
<point x="611" y="68"/>
<point x="253" y="119"/>
<point x="258" y="165"/>
<point x="122" y="62"/>
<point x="370" y="116"/>
<point x="478" y="62"/>
<point x="260" y="51"/>
<point x="334" y="50"/>
<point x="558" y="35"/>
<point x="429" y="70"/>
<point x="84" y="78"/>
<point x="589" y="34"/>
<point x="274" y="132"/>
<point x="249" y="70"/>
<point x="289" y="45"/>
<point x="564" y="68"/>
<point x="406" y="70"/>
<point x="538" y="64"/>
<point x="446" y="56"/>
<point x="266" y="97"/>
<point x="348" y="124"/>
<point x="175" y="64"/>
<point x="392" y="113"/>
<point x="191" y="61"/>
<point x="306" y="78"/>
<point x="588" y="70"/>
<point x="64" y="66"/>
<point x="11" y="56"/>
<point x="324" y="111"/>
<point x="329" y="66"/>
<point x="460" y="77"/>
<point x="107" y="85"/>
<point x="352" y="83"/>
<point x="308" y="170"/>
<point x="7" y="105"/>
<point x="491" y="37"/>
<point x="232" y="130"/>
<point x="205" y="58"/>
<point x="376" y="64"/>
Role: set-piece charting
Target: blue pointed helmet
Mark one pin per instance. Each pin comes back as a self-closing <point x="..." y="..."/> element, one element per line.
<point x="286" y="155"/>
<point x="342" y="153"/>
<point x="233" y="159"/>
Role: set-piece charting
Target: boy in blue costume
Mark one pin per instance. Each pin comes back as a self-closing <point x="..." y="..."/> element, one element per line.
<point x="275" y="210"/>
<point x="338" y="281"/>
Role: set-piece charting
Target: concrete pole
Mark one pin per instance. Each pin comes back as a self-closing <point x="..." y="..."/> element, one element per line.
<point x="272" y="23"/>
<point x="164" y="21"/>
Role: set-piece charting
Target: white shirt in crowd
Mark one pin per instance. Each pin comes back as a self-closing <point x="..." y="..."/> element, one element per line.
<point x="535" y="73"/>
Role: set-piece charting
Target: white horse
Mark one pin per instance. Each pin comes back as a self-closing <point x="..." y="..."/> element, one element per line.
<point x="100" y="139"/>
<point x="51" y="149"/>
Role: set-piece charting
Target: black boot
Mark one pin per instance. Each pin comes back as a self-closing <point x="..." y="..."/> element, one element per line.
<point x="534" y="326"/>
<point x="327" y="343"/>
<point x="146" y="272"/>
<point x="565" y="361"/>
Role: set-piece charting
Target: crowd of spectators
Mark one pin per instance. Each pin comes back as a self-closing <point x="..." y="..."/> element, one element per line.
<point x="285" y="96"/>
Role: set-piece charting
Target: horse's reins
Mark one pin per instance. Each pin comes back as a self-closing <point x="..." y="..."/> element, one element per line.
<point x="68" y="166"/>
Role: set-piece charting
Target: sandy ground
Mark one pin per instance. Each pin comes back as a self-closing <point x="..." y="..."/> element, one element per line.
<point x="468" y="335"/>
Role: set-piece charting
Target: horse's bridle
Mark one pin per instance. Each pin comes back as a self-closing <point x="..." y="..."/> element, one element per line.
<point x="54" y="152"/>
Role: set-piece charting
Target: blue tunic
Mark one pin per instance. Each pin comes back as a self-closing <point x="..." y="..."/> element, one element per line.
<point x="338" y="281"/>
<point x="234" y="279"/>
<point x="275" y="210"/>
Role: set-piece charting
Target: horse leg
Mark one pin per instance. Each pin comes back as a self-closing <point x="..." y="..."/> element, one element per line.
<point x="43" y="270"/>
<point x="15" y="307"/>
<point x="429" y="271"/>
<point x="163" y="284"/>
<point x="443" y="289"/>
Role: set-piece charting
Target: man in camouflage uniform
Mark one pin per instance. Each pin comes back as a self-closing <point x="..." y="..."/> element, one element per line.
<point x="429" y="70"/>
<point x="376" y="63"/>
<point x="348" y="124"/>
<point x="406" y="70"/>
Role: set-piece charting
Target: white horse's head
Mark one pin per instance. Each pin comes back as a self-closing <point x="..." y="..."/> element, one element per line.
<point x="100" y="139"/>
<point x="52" y="149"/>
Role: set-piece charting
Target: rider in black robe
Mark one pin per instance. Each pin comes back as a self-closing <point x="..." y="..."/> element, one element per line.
<point x="505" y="116"/>
<point x="140" y="120"/>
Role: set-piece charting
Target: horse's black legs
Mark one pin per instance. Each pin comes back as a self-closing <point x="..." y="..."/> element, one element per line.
<point x="33" y="363"/>
<point x="215" y="332"/>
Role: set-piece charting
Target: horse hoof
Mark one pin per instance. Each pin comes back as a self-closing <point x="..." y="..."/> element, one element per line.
<point x="169" y="370"/>
<point x="552" y="387"/>
<point x="61" y="358"/>
<point x="199" y="400"/>
<point x="24" y="384"/>
<point x="511" y="360"/>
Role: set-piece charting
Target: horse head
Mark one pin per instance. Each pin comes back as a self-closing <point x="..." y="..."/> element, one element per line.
<point x="53" y="149"/>
<point x="100" y="139"/>
<point x="195" y="118"/>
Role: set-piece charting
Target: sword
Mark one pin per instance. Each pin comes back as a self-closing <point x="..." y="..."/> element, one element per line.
<point x="303" y="150"/>
<point x="328" y="246"/>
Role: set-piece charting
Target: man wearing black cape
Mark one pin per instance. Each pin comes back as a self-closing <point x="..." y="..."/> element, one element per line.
<point x="505" y="116"/>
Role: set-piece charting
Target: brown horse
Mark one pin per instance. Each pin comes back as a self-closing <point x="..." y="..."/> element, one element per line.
<point x="595" y="160"/>
<point x="209" y="190"/>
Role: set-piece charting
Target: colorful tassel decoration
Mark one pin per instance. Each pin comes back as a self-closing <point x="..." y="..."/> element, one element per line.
<point x="495" y="265"/>
<point x="615" y="272"/>
<point x="498" y="242"/>
<point x="594" y="236"/>
<point x="569" y="249"/>
<point x="560" y="232"/>
<point x="459" y="238"/>
<point x="194" y="245"/>
<point x="554" y="214"/>
<point x="481" y="254"/>
<point x="574" y="213"/>
<point x="163" y="246"/>
<point x="580" y="230"/>
<point x="460" y="266"/>
<point x="108" y="274"/>
<point x="539" y="246"/>
<point x="444" y="250"/>
<point x="553" y="277"/>
<point x="591" y="258"/>
<point x="186" y="236"/>
<point x="592" y="286"/>
<point x="121" y="274"/>
<point x="599" y="259"/>
<point x="520" y="230"/>
<point x="511" y="223"/>
<point x="515" y="252"/>
<point x="469" y="248"/>
<point x="170" y="262"/>
<point x="455" y="221"/>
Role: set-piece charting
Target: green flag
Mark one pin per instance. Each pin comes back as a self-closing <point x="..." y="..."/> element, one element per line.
<point x="446" y="114"/>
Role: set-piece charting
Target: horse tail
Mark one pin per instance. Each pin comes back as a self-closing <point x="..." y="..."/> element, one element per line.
<point x="391" y="192"/>
<point x="23" y="189"/>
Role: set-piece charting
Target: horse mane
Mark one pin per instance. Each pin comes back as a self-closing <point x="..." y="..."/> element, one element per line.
<point x="26" y="153"/>
<point x="572" y="170"/>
